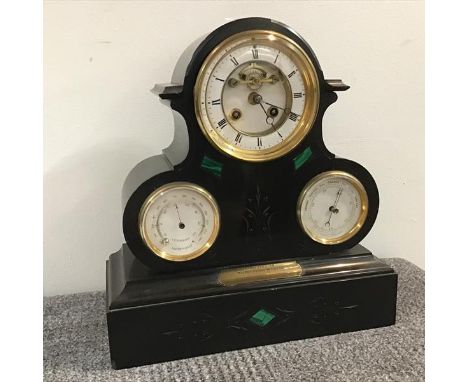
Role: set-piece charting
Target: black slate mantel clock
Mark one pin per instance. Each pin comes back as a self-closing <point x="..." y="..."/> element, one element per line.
<point x="248" y="199"/>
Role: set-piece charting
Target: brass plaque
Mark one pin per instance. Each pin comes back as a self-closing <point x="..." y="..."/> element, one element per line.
<point x="256" y="273"/>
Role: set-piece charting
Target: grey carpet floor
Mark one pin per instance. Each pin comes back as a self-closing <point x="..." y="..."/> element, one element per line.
<point x="76" y="348"/>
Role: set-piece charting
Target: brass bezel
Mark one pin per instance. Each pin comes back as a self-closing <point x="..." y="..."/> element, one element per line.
<point x="362" y="216"/>
<point x="160" y="191"/>
<point x="311" y="83"/>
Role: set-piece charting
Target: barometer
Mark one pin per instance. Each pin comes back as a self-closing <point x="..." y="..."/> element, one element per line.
<point x="332" y="207"/>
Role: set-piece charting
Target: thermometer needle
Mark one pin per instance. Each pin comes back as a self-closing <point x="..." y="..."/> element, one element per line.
<point x="181" y="225"/>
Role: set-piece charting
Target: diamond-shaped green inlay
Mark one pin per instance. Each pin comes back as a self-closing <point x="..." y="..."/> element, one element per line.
<point x="302" y="158"/>
<point x="212" y="166"/>
<point x="262" y="318"/>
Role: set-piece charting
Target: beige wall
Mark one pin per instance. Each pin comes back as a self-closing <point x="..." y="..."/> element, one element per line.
<point x="102" y="57"/>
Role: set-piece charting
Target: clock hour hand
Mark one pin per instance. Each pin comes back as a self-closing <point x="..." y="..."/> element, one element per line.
<point x="286" y="110"/>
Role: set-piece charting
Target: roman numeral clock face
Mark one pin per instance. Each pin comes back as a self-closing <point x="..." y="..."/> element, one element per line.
<point x="256" y="95"/>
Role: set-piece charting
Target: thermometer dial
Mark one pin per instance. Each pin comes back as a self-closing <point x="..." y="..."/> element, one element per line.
<point x="332" y="207"/>
<point x="179" y="221"/>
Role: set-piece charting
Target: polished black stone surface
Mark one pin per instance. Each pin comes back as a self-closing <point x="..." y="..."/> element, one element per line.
<point x="154" y="318"/>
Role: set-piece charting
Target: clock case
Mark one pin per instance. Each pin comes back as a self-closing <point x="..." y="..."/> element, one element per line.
<point x="258" y="200"/>
<point x="159" y="310"/>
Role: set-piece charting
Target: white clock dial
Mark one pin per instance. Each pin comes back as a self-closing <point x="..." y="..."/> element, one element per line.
<point x="256" y="96"/>
<point x="332" y="207"/>
<point x="179" y="221"/>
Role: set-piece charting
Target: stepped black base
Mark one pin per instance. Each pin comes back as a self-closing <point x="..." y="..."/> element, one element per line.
<point x="154" y="318"/>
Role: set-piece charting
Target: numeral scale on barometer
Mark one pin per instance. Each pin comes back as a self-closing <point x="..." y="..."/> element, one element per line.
<point x="247" y="198"/>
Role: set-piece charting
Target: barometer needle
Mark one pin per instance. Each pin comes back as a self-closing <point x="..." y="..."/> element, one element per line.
<point x="333" y="208"/>
<point x="177" y="209"/>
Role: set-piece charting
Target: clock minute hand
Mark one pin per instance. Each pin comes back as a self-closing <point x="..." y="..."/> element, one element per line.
<point x="267" y="116"/>
<point x="263" y="108"/>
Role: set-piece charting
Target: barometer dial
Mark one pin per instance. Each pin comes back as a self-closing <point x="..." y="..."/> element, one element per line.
<point x="332" y="207"/>
<point x="179" y="221"/>
<point x="256" y="95"/>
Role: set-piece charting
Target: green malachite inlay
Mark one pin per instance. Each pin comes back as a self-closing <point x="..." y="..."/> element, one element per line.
<point x="302" y="158"/>
<point x="212" y="166"/>
<point x="262" y="318"/>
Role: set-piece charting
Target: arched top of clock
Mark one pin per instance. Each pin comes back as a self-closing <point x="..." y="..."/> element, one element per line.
<point x="180" y="96"/>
